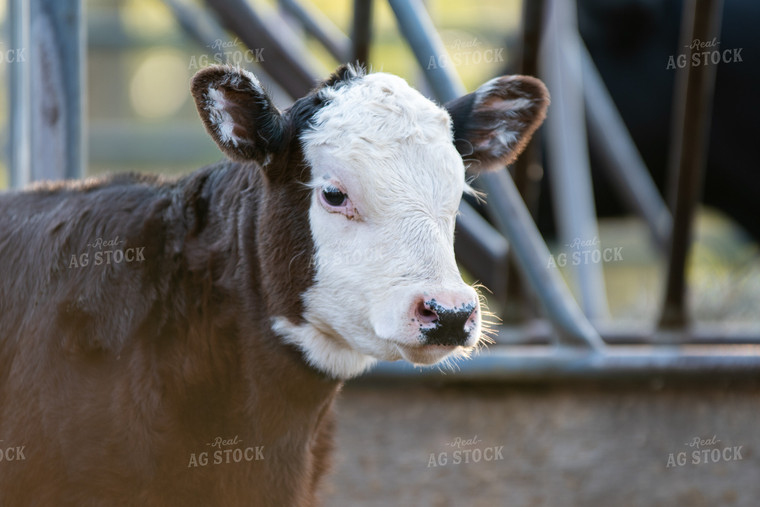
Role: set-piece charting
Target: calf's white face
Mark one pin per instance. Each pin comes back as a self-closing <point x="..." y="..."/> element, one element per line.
<point x="386" y="179"/>
<point x="387" y="184"/>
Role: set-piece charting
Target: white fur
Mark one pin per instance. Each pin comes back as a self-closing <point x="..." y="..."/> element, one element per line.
<point x="220" y="119"/>
<point x="508" y="107"/>
<point x="324" y="350"/>
<point x="253" y="79"/>
<point x="391" y="150"/>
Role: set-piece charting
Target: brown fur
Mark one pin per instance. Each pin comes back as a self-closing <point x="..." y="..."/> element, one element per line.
<point x="111" y="377"/>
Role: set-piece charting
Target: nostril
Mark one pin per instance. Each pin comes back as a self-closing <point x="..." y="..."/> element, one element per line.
<point x="471" y="320"/>
<point x="425" y="313"/>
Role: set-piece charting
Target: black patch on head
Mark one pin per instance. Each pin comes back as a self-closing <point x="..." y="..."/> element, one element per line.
<point x="302" y="112"/>
<point x="461" y="121"/>
<point x="344" y="75"/>
<point x="449" y="328"/>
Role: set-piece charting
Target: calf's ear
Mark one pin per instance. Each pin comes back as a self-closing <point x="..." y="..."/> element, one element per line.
<point x="238" y="114"/>
<point x="493" y="124"/>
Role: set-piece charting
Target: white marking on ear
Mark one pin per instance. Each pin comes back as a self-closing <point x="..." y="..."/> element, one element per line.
<point x="253" y="79"/>
<point x="220" y="119"/>
<point x="491" y="90"/>
<point x="486" y="97"/>
<point x="329" y="354"/>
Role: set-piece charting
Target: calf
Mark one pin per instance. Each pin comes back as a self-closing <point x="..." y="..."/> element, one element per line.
<point x="181" y="342"/>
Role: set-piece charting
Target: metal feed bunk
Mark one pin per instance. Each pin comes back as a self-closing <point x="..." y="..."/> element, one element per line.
<point x="503" y="252"/>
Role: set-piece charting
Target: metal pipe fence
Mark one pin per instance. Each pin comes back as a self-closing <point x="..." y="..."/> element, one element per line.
<point x="570" y="340"/>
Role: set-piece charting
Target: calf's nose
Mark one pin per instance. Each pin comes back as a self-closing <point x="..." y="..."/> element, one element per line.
<point x="445" y="324"/>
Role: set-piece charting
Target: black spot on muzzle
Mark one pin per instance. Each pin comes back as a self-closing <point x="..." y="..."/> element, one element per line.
<point x="449" y="328"/>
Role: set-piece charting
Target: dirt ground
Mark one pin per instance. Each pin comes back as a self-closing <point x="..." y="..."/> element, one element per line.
<point x="549" y="445"/>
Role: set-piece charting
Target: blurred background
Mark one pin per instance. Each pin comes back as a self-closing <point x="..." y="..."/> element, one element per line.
<point x="140" y="62"/>
<point x="566" y="438"/>
<point x="140" y="117"/>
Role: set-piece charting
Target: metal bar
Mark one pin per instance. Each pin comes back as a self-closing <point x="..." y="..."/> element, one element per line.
<point x="533" y="12"/>
<point x="59" y="86"/>
<point x="48" y="87"/>
<point x="481" y="250"/>
<point x="361" y="31"/>
<point x="510" y="214"/>
<point x="539" y="332"/>
<point x="20" y="142"/>
<point x="568" y="150"/>
<point x="513" y="219"/>
<point x="283" y="53"/>
<point x="610" y="139"/>
<point x="203" y="28"/>
<point x="419" y="31"/>
<point x="537" y="363"/>
<point x="516" y="304"/>
<point x="693" y="99"/>
<point x="195" y="21"/>
<point x="320" y="27"/>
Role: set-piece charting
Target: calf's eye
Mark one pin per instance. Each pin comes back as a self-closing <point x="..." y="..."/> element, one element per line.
<point x="333" y="196"/>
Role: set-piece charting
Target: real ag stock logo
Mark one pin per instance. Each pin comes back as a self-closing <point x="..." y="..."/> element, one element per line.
<point x="226" y="53"/>
<point x="580" y="251"/>
<point x="107" y="252"/>
<point x="466" y="52"/>
<point x="704" y="53"/>
<point x="225" y="451"/>
<point x="704" y="451"/>
<point x="11" y="452"/>
<point x="466" y="451"/>
<point x="12" y="55"/>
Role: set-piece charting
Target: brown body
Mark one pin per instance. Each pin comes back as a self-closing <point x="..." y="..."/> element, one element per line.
<point x="115" y="378"/>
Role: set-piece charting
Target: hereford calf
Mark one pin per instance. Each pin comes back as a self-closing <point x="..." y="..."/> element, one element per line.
<point x="181" y="342"/>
